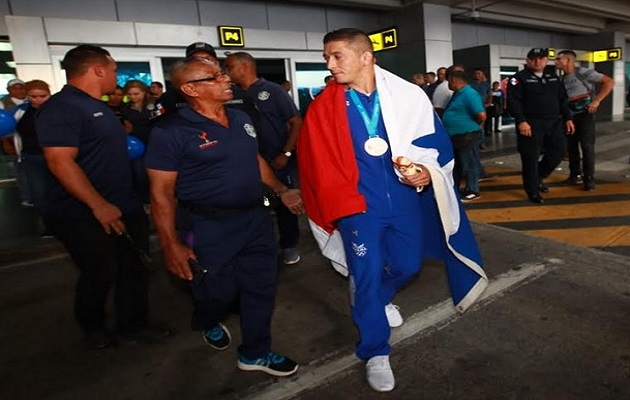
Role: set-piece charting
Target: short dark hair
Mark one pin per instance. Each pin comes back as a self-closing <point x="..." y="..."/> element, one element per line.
<point x="568" y="53"/>
<point x="77" y="60"/>
<point x="457" y="75"/>
<point x="243" y="56"/>
<point x="158" y="84"/>
<point x="354" y="36"/>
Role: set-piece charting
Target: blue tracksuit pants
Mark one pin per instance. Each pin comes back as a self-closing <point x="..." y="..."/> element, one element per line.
<point x="383" y="252"/>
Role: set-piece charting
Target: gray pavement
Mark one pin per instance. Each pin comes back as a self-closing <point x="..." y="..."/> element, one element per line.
<point x="561" y="331"/>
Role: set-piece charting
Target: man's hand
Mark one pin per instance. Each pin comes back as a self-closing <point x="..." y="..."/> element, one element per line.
<point x="176" y="257"/>
<point x="292" y="199"/>
<point x="419" y="179"/>
<point x="570" y="127"/>
<point x="279" y="162"/>
<point x="593" y="106"/>
<point x="524" y="129"/>
<point x="109" y="217"/>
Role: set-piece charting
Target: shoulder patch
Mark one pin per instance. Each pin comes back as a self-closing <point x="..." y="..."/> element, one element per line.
<point x="513" y="81"/>
<point x="251" y="131"/>
<point x="264" y="95"/>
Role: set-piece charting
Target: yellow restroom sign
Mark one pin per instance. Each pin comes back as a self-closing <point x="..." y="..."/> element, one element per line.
<point x="231" y="36"/>
<point x="384" y="40"/>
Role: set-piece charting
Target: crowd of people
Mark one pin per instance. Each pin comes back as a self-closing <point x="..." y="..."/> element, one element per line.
<point x="554" y="118"/>
<point x="378" y="175"/>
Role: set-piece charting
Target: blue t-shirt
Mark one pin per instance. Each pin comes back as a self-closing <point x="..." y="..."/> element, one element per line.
<point x="216" y="166"/>
<point x="460" y="115"/>
<point x="275" y="108"/>
<point x="482" y="88"/>
<point x="72" y="118"/>
<point x="378" y="182"/>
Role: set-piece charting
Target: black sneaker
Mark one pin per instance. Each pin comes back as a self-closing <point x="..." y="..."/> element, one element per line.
<point x="272" y="364"/>
<point x="589" y="185"/>
<point x="218" y="337"/>
<point x="573" y="180"/>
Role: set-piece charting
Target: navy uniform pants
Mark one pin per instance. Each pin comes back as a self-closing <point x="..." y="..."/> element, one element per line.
<point x="288" y="224"/>
<point x="240" y="254"/>
<point x="548" y="139"/>
<point x="105" y="262"/>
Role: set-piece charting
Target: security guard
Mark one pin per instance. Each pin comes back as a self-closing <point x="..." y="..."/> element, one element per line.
<point x="538" y="101"/>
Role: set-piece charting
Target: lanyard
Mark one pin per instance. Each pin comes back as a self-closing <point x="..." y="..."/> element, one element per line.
<point x="371" y="122"/>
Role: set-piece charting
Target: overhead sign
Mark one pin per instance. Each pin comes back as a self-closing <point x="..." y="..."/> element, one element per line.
<point x="551" y="53"/>
<point x="607" y="55"/>
<point x="384" y="40"/>
<point x="231" y="36"/>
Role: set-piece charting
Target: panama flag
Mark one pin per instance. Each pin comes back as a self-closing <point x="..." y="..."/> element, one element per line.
<point x="329" y="179"/>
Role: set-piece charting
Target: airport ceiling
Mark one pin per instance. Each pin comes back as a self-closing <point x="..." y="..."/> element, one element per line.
<point x="575" y="16"/>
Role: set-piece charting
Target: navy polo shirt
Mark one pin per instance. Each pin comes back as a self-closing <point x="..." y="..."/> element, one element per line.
<point x="378" y="182"/>
<point x="72" y="118"/>
<point x="216" y="166"/>
<point x="275" y="108"/>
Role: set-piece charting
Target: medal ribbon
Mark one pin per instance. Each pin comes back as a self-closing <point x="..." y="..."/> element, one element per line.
<point x="371" y="122"/>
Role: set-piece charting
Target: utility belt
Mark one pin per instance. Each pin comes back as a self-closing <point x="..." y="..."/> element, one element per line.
<point x="269" y="200"/>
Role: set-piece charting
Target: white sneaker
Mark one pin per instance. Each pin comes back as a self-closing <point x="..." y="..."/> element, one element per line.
<point x="379" y="374"/>
<point x="393" y="315"/>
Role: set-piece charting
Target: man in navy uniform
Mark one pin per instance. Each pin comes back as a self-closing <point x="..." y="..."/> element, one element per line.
<point x="93" y="209"/>
<point x="278" y="125"/>
<point x="538" y="101"/>
<point x="203" y="164"/>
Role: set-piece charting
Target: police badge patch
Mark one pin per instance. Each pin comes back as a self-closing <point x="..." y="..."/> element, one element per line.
<point x="264" y="95"/>
<point x="251" y="131"/>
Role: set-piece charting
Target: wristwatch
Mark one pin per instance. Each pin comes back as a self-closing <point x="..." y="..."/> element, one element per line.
<point x="288" y="153"/>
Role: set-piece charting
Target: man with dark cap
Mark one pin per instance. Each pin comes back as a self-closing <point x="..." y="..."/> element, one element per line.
<point x="538" y="101"/>
<point x="171" y="100"/>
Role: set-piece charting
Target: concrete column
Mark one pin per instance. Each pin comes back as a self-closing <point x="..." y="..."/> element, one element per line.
<point x="30" y="48"/>
<point x="424" y="40"/>
<point x="438" y="38"/>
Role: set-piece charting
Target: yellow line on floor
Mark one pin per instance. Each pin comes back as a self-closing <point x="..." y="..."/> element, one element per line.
<point x="592" y="237"/>
<point x="551" y="213"/>
<point x="554" y="191"/>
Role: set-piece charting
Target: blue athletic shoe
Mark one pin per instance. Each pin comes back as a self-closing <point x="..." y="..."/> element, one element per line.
<point x="218" y="337"/>
<point x="273" y="364"/>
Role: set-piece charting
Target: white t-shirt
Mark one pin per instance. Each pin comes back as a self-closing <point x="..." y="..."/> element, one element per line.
<point x="442" y="95"/>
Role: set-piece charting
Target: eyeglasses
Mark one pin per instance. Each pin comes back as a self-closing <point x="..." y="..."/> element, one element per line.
<point x="212" y="78"/>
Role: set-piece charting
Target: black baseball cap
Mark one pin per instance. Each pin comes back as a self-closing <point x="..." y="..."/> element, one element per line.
<point x="200" y="46"/>
<point x="537" y="52"/>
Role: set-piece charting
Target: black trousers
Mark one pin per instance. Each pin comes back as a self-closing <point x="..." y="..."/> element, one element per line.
<point x="583" y="139"/>
<point x="548" y="140"/>
<point x="105" y="261"/>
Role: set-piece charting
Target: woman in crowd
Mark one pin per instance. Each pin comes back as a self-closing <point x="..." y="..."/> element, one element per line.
<point x="136" y="115"/>
<point x="37" y="174"/>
